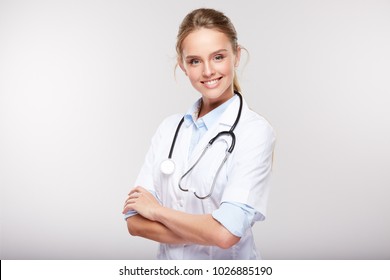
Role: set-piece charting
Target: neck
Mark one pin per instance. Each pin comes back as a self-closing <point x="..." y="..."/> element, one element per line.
<point x="210" y="104"/>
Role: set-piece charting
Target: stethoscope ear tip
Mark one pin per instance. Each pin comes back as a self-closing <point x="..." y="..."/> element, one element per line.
<point x="167" y="167"/>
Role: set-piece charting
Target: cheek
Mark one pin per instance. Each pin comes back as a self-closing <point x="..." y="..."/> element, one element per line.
<point x="194" y="74"/>
<point x="225" y="68"/>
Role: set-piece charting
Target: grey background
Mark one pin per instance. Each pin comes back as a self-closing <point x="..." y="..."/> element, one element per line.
<point x="84" y="84"/>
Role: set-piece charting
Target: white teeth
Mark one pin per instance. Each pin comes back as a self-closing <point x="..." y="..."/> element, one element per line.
<point x="211" y="82"/>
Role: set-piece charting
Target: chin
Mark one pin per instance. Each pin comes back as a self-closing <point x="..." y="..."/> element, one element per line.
<point x="217" y="93"/>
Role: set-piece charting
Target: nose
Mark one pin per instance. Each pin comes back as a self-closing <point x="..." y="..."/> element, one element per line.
<point x="208" y="70"/>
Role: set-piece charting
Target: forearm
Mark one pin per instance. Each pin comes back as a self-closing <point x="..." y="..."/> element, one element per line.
<point x="180" y="227"/>
<point x="199" y="229"/>
<point x="140" y="226"/>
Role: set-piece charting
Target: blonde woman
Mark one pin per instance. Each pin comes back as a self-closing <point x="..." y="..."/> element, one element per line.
<point x="205" y="179"/>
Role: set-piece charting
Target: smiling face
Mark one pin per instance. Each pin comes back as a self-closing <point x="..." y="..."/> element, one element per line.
<point x="208" y="59"/>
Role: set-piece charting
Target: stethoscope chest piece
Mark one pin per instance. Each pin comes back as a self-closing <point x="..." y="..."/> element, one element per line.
<point x="167" y="166"/>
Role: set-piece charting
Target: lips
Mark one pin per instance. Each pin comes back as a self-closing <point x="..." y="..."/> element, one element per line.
<point x="211" y="83"/>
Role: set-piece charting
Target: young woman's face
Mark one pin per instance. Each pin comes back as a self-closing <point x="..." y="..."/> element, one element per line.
<point x="209" y="61"/>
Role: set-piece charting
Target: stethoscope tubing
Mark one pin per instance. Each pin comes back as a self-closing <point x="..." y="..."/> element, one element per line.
<point x="213" y="139"/>
<point x="210" y="143"/>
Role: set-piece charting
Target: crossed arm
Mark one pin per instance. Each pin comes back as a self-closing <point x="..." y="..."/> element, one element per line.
<point x="166" y="225"/>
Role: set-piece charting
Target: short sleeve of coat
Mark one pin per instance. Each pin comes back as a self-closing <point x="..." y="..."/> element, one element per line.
<point x="250" y="165"/>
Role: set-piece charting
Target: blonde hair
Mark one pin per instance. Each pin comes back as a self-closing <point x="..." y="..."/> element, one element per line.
<point x="211" y="19"/>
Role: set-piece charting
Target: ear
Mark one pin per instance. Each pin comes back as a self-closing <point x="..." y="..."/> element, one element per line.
<point x="180" y="63"/>
<point x="238" y="56"/>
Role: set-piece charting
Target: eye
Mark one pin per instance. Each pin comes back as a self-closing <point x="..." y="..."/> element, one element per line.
<point x="194" y="61"/>
<point x="218" y="57"/>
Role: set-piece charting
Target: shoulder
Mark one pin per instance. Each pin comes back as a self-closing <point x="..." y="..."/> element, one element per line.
<point x="255" y="136"/>
<point x="255" y="125"/>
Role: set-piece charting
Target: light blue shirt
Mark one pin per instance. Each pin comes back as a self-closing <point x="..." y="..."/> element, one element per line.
<point x="201" y="125"/>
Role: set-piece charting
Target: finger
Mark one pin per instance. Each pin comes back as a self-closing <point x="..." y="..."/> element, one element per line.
<point x="130" y="200"/>
<point x="137" y="189"/>
<point x="132" y="190"/>
<point x="128" y="206"/>
<point x="140" y="189"/>
<point x="134" y="195"/>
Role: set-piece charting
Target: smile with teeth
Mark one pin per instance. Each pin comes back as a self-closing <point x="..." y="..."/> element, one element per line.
<point x="211" y="82"/>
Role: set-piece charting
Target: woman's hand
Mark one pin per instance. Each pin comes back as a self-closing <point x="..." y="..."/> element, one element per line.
<point x="143" y="202"/>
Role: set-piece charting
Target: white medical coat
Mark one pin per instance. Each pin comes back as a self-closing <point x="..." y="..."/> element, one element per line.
<point x="244" y="178"/>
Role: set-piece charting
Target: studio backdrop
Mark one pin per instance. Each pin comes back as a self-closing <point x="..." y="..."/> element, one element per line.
<point x="84" y="84"/>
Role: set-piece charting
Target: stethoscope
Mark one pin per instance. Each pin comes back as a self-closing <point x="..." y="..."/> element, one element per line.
<point x="167" y="167"/>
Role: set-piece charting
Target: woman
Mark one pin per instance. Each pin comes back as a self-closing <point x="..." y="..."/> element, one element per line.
<point x="208" y="212"/>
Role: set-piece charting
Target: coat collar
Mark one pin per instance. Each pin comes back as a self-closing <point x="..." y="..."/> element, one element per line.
<point x="230" y="114"/>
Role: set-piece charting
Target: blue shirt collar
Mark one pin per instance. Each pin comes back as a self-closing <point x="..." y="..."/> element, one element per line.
<point x="208" y="120"/>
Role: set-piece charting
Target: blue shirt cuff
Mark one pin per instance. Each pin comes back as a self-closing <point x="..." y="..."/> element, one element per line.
<point x="129" y="214"/>
<point x="235" y="217"/>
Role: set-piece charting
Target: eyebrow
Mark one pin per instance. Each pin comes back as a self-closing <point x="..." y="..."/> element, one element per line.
<point x="213" y="53"/>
